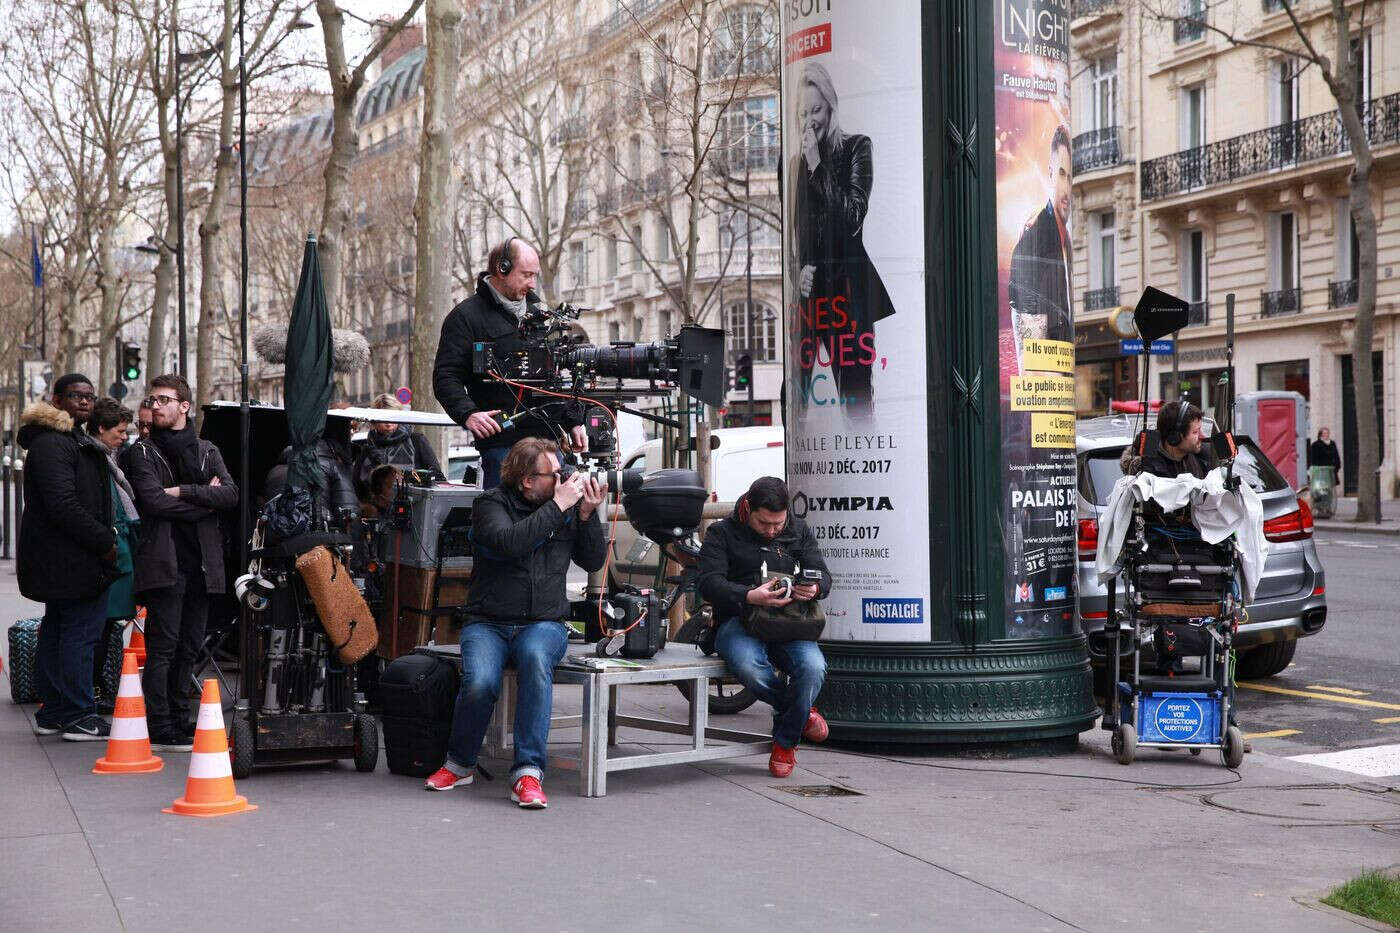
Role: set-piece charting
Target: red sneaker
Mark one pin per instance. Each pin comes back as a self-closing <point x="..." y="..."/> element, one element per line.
<point x="528" y="793"/>
<point x="816" y="729"/>
<point x="782" y="761"/>
<point x="442" y="779"/>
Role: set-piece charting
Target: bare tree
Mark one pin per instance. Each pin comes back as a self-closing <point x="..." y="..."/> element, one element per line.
<point x="346" y="82"/>
<point x="529" y="147"/>
<point x="1313" y="25"/>
<point x="705" y="60"/>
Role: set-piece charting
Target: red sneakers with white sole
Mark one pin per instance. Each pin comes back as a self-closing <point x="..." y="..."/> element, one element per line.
<point x="528" y="793"/>
<point x="442" y="779"/>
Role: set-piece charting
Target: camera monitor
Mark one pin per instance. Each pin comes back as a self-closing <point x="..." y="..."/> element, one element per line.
<point x="700" y="363"/>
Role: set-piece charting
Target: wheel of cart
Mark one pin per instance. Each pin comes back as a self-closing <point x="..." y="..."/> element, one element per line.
<point x="727" y="695"/>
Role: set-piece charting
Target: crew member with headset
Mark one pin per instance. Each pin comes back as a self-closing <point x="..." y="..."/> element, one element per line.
<point x="504" y="294"/>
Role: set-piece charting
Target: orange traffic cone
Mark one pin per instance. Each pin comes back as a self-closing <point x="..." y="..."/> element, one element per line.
<point x="137" y="645"/>
<point x="209" y="787"/>
<point x="129" y="745"/>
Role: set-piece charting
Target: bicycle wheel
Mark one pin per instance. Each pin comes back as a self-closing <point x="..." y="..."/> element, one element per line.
<point x="727" y="696"/>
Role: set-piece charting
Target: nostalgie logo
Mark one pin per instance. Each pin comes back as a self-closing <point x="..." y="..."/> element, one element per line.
<point x="1036" y="27"/>
<point x="892" y="610"/>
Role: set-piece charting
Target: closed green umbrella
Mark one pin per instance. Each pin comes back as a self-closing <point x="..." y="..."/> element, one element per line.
<point x="308" y="374"/>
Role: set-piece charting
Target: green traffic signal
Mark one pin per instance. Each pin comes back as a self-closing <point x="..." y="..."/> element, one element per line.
<point x="131" y="362"/>
<point x="743" y="371"/>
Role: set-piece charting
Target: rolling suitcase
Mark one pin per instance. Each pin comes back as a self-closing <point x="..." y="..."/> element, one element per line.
<point x="416" y="696"/>
<point x="24" y="645"/>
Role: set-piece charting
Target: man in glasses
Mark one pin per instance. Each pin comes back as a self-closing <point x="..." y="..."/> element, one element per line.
<point x="525" y="533"/>
<point x="67" y="555"/>
<point x="181" y="487"/>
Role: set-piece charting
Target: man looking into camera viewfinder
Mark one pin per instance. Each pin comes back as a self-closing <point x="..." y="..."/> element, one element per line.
<point x="505" y="292"/>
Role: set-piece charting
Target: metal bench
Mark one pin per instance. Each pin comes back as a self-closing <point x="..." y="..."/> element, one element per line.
<point x="600" y="717"/>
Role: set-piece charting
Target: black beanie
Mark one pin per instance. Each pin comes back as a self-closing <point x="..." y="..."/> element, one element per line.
<point x="64" y="382"/>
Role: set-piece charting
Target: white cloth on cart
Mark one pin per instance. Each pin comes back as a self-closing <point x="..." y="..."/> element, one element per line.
<point x="1216" y="513"/>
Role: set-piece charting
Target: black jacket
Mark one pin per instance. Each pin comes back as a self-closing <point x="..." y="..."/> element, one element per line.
<point x="521" y="555"/>
<point x="150" y="475"/>
<point x="732" y="554"/>
<point x="340" y="495"/>
<point x="830" y="205"/>
<point x="460" y="391"/>
<point x="1159" y="464"/>
<point x="405" y="449"/>
<point x="1324" y="453"/>
<point x="67" y="526"/>
<point x="1038" y="283"/>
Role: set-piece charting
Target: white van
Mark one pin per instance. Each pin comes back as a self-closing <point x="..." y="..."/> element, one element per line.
<point x="743" y="455"/>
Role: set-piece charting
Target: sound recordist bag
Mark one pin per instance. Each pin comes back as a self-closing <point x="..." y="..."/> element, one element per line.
<point x="343" y="612"/>
<point x="797" y="621"/>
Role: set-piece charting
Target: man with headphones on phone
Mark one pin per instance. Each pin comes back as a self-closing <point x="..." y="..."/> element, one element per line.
<point x="504" y="294"/>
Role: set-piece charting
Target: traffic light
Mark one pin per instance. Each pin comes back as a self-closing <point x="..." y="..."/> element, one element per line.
<point x="743" y="372"/>
<point x="131" y="362"/>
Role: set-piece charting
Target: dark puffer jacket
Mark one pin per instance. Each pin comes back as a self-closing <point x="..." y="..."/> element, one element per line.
<point x="521" y="555"/>
<point x="150" y="476"/>
<point x="405" y="449"/>
<point x="733" y="554"/>
<point x="67" y="529"/>
<point x="339" y="495"/>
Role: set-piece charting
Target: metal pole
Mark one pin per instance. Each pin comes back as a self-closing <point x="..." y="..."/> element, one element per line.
<point x="181" y="362"/>
<point x="748" y="276"/>
<point x="243" y="414"/>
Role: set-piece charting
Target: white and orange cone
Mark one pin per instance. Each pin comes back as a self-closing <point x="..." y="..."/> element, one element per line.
<point x="129" y="744"/>
<point x="209" y="788"/>
<point x="137" y="644"/>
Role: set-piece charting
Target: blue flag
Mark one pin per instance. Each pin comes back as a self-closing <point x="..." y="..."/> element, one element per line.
<point x="35" y="261"/>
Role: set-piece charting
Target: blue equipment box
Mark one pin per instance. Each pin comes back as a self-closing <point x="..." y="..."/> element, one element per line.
<point x="1179" y="718"/>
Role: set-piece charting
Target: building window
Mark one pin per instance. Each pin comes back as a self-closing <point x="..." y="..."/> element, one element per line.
<point x="610" y="256"/>
<point x="761" y="342"/>
<point x="636" y="251"/>
<point x="749" y="133"/>
<point x="744" y="42"/>
<point x="663" y="239"/>
<point x="1283" y="111"/>
<point x="1283" y="251"/>
<point x="1193" y="274"/>
<point x="1193" y="117"/>
<point x="1104" y="106"/>
<point x="1288" y="376"/>
<point x="738" y="228"/>
<point x="1361" y="59"/>
<point x="614" y="331"/>
<point x="1348" y="250"/>
<point x="1190" y="25"/>
<point x="1103" y="255"/>
<point x="578" y="264"/>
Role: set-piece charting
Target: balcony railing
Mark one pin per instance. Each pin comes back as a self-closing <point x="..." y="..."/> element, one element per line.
<point x="1280" y="302"/>
<point x="1188" y="30"/>
<point x="1277" y="147"/>
<point x="759" y="157"/>
<point x="1078" y="8"/>
<point x="571" y="129"/>
<point x="607" y="203"/>
<point x="729" y="63"/>
<point x="658" y="182"/>
<point x="1101" y="299"/>
<point x="1096" y="149"/>
<point x="578" y="210"/>
<point x="1198" y="313"/>
<point x="1341" y="294"/>
<point x="630" y="192"/>
<point x="625" y="16"/>
<point x="1274" y="6"/>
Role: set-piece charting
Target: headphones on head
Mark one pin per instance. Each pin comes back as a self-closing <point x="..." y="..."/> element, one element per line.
<point x="1183" y="420"/>
<point x="743" y="509"/>
<point x="505" y="264"/>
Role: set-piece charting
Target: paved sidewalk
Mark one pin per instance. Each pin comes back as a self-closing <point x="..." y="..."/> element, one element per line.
<point x="1344" y="519"/>
<point x="1070" y="842"/>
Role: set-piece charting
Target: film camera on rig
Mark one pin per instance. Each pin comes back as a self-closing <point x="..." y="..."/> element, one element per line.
<point x="590" y="384"/>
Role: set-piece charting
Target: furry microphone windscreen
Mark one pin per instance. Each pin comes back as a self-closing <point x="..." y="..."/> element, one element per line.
<point x="349" y="349"/>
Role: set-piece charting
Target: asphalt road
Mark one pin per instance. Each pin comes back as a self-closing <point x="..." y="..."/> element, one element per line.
<point x="1344" y="681"/>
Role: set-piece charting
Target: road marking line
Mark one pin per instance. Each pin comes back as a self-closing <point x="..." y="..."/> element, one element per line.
<point x="1387" y="719"/>
<point x="1268" y="688"/>
<point x="1377" y="761"/>
<point x="1276" y="734"/>
<point x="1342" y="690"/>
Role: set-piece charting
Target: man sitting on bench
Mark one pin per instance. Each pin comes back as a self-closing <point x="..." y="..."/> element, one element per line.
<point x="525" y="533"/>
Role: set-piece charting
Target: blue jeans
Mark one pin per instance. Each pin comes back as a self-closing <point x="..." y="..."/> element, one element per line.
<point x="68" y="640"/>
<point x="757" y="665"/>
<point x="491" y="460"/>
<point x="534" y="648"/>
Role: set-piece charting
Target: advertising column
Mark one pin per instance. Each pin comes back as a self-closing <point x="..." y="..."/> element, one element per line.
<point x="857" y="420"/>
<point x="1036" y="330"/>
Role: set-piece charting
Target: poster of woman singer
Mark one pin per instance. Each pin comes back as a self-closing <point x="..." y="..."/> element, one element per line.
<point x="840" y="294"/>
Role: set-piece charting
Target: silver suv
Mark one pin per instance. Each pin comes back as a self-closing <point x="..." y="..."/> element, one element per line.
<point x="1291" y="602"/>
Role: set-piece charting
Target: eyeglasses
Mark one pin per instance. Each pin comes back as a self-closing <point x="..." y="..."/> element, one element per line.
<point x="554" y="473"/>
<point x="155" y="401"/>
<point x="80" y="396"/>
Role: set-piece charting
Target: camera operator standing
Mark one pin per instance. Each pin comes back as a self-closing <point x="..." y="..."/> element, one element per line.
<point x="763" y="572"/>
<point x="504" y="294"/>
<point x="525" y="533"/>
